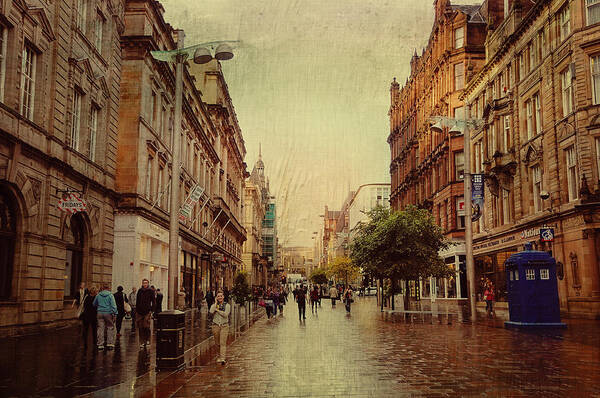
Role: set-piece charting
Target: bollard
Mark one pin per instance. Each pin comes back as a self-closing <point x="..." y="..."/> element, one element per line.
<point x="170" y="340"/>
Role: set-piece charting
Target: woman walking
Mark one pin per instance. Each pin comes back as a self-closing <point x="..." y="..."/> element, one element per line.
<point x="314" y="299"/>
<point x="104" y="302"/>
<point x="489" y="296"/>
<point x="268" y="298"/>
<point x="282" y="300"/>
<point x="348" y="299"/>
<point x="120" y="300"/>
<point x="89" y="317"/>
<point x="220" y="326"/>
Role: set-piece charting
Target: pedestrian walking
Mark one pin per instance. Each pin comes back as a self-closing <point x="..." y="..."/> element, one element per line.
<point x="144" y="307"/>
<point x="132" y="301"/>
<point x="89" y="317"/>
<point x="104" y="302"/>
<point x="210" y="299"/>
<point x="200" y="298"/>
<point x="159" y="300"/>
<point x="348" y="298"/>
<point x="220" y="325"/>
<point x="282" y="301"/>
<point x="268" y="298"/>
<point x="120" y="299"/>
<point x="314" y="299"/>
<point x="489" y="296"/>
<point x="301" y="300"/>
<point x="226" y="294"/>
<point x="275" y="301"/>
<point x="333" y="293"/>
<point x="80" y="295"/>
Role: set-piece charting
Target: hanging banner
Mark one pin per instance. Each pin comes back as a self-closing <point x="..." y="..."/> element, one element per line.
<point x="476" y="196"/>
<point x="186" y="209"/>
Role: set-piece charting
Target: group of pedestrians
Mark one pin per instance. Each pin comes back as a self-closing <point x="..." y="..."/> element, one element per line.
<point x="101" y="312"/>
<point x="274" y="299"/>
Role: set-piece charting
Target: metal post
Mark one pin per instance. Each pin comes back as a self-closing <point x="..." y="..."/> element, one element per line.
<point x="174" y="216"/>
<point x="468" y="215"/>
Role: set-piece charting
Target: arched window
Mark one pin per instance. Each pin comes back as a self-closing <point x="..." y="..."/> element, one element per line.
<point x="74" y="236"/>
<point x="8" y="234"/>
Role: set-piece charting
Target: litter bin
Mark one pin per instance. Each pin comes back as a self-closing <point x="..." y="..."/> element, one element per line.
<point x="532" y="290"/>
<point x="170" y="340"/>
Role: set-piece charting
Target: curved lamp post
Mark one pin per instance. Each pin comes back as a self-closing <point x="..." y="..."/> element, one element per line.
<point x="201" y="55"/>
<point x="463" y="127"/>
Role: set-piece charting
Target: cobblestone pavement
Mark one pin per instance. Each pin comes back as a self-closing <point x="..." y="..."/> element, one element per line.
<point x="333" y="354"/>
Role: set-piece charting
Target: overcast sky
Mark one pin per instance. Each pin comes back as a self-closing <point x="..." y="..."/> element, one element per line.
<point x="310" y="81"/>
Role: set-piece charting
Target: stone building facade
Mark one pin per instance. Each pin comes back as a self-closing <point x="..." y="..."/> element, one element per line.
<point x="427" y="168"/>
<point x="255" y="204"/>
<point x="145" y="163"/>
<point x="539" y="147"/>
<point x="231" y="171"/>
<point x="60" y="72"/>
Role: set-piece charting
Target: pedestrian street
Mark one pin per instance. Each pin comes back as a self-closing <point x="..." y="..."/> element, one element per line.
<point x="367" y="354"/>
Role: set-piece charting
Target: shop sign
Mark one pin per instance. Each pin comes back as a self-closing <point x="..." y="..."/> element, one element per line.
<point x="72" y="203"/>
<point x="194" y="196"/>
<point x="196" y="193"/>
<point x="530" y="233"/>
<point x="547" y="234"/>
<point x="186" y="210"/>
<point x="477" y="193"/>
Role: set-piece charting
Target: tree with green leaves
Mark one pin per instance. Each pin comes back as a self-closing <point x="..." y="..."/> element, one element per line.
<point x="318" y="276"/>
<point x="343" y="268"/>
<point x="400" y="245"/>
<point x="241" y="291"/>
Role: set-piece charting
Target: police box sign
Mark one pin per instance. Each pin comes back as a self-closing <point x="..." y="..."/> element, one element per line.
<point x="547" y="234"/>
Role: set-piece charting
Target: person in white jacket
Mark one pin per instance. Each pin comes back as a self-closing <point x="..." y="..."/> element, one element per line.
<point x="220" y="326"/>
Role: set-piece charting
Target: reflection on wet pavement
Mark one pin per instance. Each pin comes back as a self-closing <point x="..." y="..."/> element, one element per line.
<point x="367" y="354"/>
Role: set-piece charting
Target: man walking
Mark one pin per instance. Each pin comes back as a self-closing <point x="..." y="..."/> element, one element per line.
<point x="143" y="308"/>
<point x="132" y="299"/>
<point x="107" y="311"/>
<point x="301" y="300"/>
<point x="314" y="299"/>
<point x="333" y="293"/>
<point x="210" y="298"/>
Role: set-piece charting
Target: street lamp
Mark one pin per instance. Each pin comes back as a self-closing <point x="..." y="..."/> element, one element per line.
<point x="200" y="55"/>
<point x="463" y="126"/>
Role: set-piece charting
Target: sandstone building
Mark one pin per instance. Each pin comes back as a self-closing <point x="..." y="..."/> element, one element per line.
<point x="60" y="75"/>
<point x="539" y="145"/>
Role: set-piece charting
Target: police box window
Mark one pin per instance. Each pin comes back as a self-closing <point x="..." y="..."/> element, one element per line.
<point x="544" y="273"/>
<point x="530" y="274"/>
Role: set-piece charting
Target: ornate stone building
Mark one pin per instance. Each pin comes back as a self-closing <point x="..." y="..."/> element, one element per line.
<point x="227" y="197"/>
<point x="539" y="147"/>
<point x="427" y="168"/>
<point x="145" y="164"/>
<point x="60" y="72"/>
<point x="255" y="204"/>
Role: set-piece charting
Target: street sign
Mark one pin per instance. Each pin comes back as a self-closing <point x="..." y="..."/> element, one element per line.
<point x="72" y="203"/>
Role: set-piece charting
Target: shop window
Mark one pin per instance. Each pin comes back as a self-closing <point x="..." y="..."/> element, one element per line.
<point x="74" y="237"/>
<point x="8" y="234"/>
<point x="544" y="274"/>
<point x="530" y="274"/>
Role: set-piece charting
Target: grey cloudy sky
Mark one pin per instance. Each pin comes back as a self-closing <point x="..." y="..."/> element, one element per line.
<point x="310" y="81"/>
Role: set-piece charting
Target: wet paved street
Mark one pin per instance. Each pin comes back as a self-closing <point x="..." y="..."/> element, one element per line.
<point x="54" y="364"/>
<point x="362" y="355"/>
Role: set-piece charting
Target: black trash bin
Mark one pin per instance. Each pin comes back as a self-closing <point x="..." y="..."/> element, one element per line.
<point x="170" y="340"/>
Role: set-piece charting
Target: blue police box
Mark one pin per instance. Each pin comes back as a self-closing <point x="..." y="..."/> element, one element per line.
<point x="532" y="290"/>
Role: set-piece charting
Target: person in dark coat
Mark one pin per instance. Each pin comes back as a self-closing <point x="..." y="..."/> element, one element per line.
<point x="89" y="317"/>
<point x="159" y="300"/>
<point x="120" y="299"/>
<point x="226" y="294"/>
<point x="210" y="298"/>
<point x="144" y="305"/>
